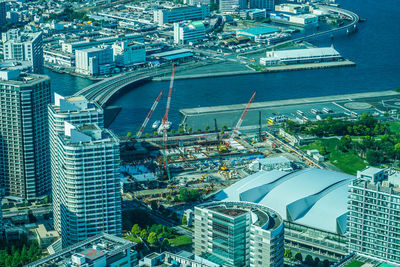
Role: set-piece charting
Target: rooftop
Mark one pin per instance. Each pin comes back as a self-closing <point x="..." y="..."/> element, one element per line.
<point x="231" y="212"/>
<point x="105" y="244"/>
<point x="308" y="52"/>
<point x="258" y="30"/>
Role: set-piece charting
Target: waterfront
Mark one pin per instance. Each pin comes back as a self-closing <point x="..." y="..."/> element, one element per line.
<point x="373" y="48"/>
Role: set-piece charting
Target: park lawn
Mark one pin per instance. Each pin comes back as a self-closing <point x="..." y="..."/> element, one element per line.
<point x="348" y="162"/>
<point x="181" y="240"/>
<point x="355" y="263"/>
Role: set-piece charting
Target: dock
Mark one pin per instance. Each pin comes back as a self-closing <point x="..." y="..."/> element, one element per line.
<point x="228" y="115"/>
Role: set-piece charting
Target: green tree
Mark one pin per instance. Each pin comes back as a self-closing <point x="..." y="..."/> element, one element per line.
<point x="199" y="130"/>
<point x="207" y="128"/>
<point x="154" y="205"/>
<point x="316" y="261"/>
<point x="374" y="157"/>
<point x="288" y="253"/>
<point x="298" y="256"/>
<point x="181" y="131"/>
<point x="184" y="220"/>
<point x="190" y="129"/>
<point x="309" y="260"/>
<point x="152" y="239"/>
<point x="129" y="134"/>
<point x="224" y="127"/>
<point x="326" y="263"/>
<point x="143" y="234"/>
<point x="136" y="229"/>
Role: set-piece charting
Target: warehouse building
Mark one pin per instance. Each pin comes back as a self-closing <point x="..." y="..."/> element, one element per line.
<point x="300" y="56"/>
<point x="190" y="32"/>
<point x="256" y="32"/>
<point x="312" y="202"/>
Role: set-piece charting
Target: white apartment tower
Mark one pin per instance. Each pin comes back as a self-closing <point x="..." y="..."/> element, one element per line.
<point x="89" y="187"/>
<point x="25" y="47"/>
<point x="24" y="143"/>
<point x="76" y="110"/>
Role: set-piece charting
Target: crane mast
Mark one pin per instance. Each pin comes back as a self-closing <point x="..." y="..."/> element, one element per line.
<point x="153" y="107"/>
<point x="239" y="123"/>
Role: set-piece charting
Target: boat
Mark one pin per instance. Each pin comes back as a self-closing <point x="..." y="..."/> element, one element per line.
<point x="166" y="126"/>
<point x="156" y="124"/>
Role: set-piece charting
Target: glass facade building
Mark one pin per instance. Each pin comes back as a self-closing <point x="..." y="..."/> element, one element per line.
<point x="374" y="220"/>
<point x="238" y="234"/>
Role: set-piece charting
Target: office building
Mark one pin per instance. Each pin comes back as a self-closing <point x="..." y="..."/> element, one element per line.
<point x="94" y="61"/>
<point x="77" y="111"/>
<point x="232" y="6"/>
<point x="3" y="13"/>
<point x="312" y="202"/>
<point x="262" y="4"/>
<point x="373" y="221"/>
<point x="100" y="250"/>
<point x="88" y="183"/>
<point x="126" y="54"/>
<point x="177" y="14"/>
<point x="371" y="174"/>
<point x="1" y="215"/>
<point x="189" y="33"/>
<point x="70" y="47"/>
<point x="238" y="234"/>
<point x="24" y="142"/>
<point x="24" y="47"/>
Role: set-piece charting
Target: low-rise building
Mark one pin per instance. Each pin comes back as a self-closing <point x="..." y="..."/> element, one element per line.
<point x="44" y="237"/>
<point x="100" y="250"/>
<point x="268" y="164"/>
<point x="126" y="54"/>
<point x="59" y="58"/>
<point x="182" y="258"/>
<point x="300" y="56"/>
<point x="371" y="174"/>
<point x="95" y="60"/>
<point x="189" y="33"/>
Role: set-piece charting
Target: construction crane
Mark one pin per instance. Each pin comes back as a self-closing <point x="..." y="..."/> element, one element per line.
<point x="153" y="107"/>
<point x="164" y="123"/>
<point x="239" y="123"/>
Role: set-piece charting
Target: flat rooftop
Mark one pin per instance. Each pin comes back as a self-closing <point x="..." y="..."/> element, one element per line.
<point x="258" y="30"/>
<point x="231" y="212"/>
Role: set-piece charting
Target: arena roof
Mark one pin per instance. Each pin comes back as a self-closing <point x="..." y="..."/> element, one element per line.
<point x="312" y="197"/>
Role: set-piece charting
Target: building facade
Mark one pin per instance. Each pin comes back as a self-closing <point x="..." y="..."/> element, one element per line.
<point x="3" y="13"/>
<point x="177" y="14"/>
<point x="238" y="234"/>
<point x="232" y="6"/>
<point x="126" y="54"/>
<point x="88" y="183"/>
<point x="74" y="110"/>
<point x="263" y="4"/>
<point x="94" y="61"/>
<point x="24" y="143"/>
<point x="25" y="47"/>
<point x="191" y="32"/>
<point x="374" y="220"/>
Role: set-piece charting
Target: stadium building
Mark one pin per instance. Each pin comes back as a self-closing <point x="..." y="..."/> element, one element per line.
<point x="312" y="202"/>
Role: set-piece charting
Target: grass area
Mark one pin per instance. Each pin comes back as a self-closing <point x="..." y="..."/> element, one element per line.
<point x="355" y="263"/>
<point x="180" y="241"/>
<point x="338" y="158"/>
<point x="394" y="126"/>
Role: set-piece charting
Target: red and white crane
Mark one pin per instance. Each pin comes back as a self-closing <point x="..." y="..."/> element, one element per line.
<point x="239" y="123"/>
<point x="164" y="124"/>
<point x="153" y="107"/>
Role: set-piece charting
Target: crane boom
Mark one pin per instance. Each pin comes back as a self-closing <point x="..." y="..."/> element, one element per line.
<point x="171" y="84"/>
<point x="239" y="123"/>
<point x="153" y="107"/>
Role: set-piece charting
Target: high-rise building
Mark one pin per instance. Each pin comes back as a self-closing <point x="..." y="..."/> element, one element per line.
<point x="126" y="54"/>
<point x="263" y="4"/>
<point x="1" y="216"/>
<point x="88" y="183"/>
<point x="24" y="138"/>
<point x="25" y="47"/>
<point x="238" y="234"/>
<point x="77" y="111"/>
<point x="230" y="6"/>
<point x="3" y="13"/>
<point x="374" y="220"/>
<point x="190" y="32"/>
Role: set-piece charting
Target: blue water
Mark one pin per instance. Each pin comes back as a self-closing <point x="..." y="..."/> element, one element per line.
<point x="374" y="48"/>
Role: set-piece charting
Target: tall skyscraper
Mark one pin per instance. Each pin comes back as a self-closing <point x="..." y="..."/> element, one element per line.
<point x="238" y="234"/>
<point x="229" y="6"/>
<point x="24" y="138"/>
<point x="263" y="4"/>
<point x="77" y="111"/>
<point x="89" y="187"/>
<point x="374" y="219"/>
<point x="25" y="47"/>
